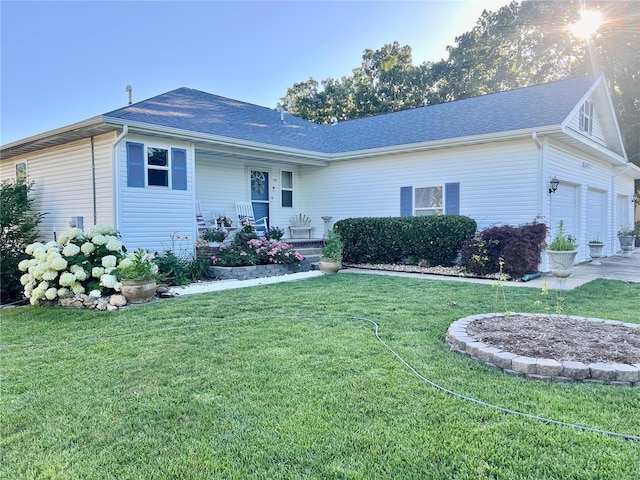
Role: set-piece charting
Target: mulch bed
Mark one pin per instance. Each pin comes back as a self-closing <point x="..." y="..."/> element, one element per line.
<point x="560" y="338"/>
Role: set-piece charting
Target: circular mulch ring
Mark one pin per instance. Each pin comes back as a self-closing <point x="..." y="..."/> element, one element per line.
<point x="552" y="347"/>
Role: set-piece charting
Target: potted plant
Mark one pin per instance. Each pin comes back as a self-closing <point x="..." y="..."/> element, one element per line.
<point x="562" y="253"/>
<point x="138" y="274"/>
<point x="273" y="233"/>
<point x="626" y="236"/>
<point x="331" y="259"/>
<point x="214" y="236"/>
<point x="596" y="247"/>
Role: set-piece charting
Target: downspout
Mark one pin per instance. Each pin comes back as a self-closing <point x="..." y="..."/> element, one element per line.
<point x="541" y="197"/>
<point x="114" y="175"/>
<point x="93" y="179"/>
<point x="627" y="166"/>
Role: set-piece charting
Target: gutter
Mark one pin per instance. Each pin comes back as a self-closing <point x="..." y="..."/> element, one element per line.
<point x="114" y="176"/>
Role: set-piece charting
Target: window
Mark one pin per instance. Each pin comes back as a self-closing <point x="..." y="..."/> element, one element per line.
<point x="21" y="172"/>
<point x="160" y="168"/>
<point x="428" y="201"/>
<point x="586" y="117"/>
<point x="287" y="189"/>
<point x="157" y="167"/>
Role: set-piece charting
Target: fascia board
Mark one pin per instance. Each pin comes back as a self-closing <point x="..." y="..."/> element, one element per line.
<point x="601" y="149"/>
<point x="447" y="143"/>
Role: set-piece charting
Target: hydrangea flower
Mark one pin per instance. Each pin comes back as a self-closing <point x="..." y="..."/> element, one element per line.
<point x="32" y="247"/>
<point x="99" y="239"/>
<point x="63" y="291"/>
<point x="87" y="248"/>
<point x="79" y="272"/>
<point x="23" y="266"/>
<point x="58" y="263"/>
<point x="74" y="233"/>
<point x="67" y="279"/>
<point x="108" y="281"/>
<point x="49" y="275"/>
<point x="97" y="272"/>
<point x="70" y="250"/>
<point x="51" y="293"/>
<point x="109" y="261"/>
<point x="77" y="288"/>
<point x="113" y="245"/>
<point x="95" y="293"/>
<point x="24" y="279"/>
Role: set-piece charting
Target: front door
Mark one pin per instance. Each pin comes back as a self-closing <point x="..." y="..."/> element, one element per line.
<point x="260" y="193"/>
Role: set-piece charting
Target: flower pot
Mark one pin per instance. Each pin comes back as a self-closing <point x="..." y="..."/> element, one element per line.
<point x="138" y="291"/>
<point x="328" y="265"/>
<point x="562" y="262"/>
<point x="213" y="244"/>
<point x="626" y="244"/>
<point x="596" y="252"/>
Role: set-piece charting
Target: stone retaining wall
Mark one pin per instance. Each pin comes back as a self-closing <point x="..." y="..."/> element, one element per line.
<point x="250" y="272"/>
<point x="540" y="368"/>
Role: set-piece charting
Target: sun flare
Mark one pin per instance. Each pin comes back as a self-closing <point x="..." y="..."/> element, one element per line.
<point x="590" y="21"/>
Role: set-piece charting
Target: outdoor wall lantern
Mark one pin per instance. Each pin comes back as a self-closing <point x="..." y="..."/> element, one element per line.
<point x="635" y="198"/>
<point x="553" y="184"/>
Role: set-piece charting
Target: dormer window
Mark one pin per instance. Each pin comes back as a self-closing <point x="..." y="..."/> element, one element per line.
<point x="586" y="117"/>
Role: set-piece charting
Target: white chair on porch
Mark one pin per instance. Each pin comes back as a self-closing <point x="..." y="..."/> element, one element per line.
<point x="200" y="223"/>
<point x="244" y="210"/>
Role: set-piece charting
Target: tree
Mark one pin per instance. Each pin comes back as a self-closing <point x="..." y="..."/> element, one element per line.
<point x="523" y="43"/>
<point x="18" y="228"/>
<point x="386" y="81"/>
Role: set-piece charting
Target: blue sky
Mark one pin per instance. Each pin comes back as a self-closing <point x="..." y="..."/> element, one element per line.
<point x="65" y="61"/>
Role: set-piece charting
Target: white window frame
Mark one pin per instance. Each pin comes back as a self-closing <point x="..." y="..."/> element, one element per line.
<point x="430" y="210"/>
<point x="286" y="189"/>
<point x="166" y="167"/>
<point x="586" y="122"/>
<point x="21" y="172"/>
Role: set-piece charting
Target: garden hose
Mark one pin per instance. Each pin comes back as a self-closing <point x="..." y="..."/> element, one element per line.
<point x="397" y="355"/>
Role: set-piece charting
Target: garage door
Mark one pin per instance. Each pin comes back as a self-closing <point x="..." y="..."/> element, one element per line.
<point x="596" y="215"/>
<point x="564" y="207"/>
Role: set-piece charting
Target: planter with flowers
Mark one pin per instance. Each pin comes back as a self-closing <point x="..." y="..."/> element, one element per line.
<point x="138" y="273"/>
<point x="626" y="236"/>
<point x="562" y="253"/>
<point x="331" y="259"/>
<point x="596" y="248"/>
<point x="214" y="236"/>
<point x="251" y="257"/>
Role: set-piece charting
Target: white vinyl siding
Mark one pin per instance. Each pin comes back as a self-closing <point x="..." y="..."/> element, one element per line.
<point x="147" y="217"/>
<point x="63" y="183"/>
<point x="498" y="183"/>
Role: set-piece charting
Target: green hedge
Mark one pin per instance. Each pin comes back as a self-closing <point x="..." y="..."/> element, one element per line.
<point x="435" y="239"/>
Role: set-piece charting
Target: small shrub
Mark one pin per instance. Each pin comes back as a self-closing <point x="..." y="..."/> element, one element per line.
<point x="18" y="228"/>
<point x="506" y="248"/>
<point x="274" y="233"/>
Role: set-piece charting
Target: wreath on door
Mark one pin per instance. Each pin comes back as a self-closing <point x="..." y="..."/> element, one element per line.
<point x="257" y="181"/>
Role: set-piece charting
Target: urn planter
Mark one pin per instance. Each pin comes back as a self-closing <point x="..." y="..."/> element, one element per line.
<point x="626" y="244"/>
<point x="596" y="252"/>
<point x="562" y="262"/>
<point x="138" y="291"/>
<point x="328" y="266"/>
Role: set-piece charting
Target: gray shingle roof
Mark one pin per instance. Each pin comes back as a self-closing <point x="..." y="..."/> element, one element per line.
<point x="520" y="109"/>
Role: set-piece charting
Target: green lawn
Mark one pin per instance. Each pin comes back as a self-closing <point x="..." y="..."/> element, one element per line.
<point x="289" y="381"/>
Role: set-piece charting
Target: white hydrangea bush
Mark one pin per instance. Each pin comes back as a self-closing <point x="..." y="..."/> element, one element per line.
<point x="79" y="262"/>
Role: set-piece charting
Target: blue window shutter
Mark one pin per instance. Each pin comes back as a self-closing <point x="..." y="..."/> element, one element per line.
<point x="135" y="164"/>
<point x="452" y="198"/>
<point x="178" y="169"/>
<point x="406" y="201"/>
<point x="582" y="117"/>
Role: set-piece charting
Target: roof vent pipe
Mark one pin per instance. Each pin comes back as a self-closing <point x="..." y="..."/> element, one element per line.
<point x="128" y="90"/>
<point x="334" y="120"/>
<point x="281" y="110"/>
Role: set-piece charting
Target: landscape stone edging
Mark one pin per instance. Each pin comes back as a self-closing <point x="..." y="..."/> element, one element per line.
<point x="461" y="341"/>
